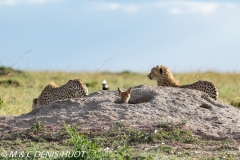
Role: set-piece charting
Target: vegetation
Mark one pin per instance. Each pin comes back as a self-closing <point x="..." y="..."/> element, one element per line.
<point x="235" y="103"/>
<point x="18" y="90"/>
<point x="91" y="84"/>
<point x="9" y="83"/>
<point x="5" y="71"/>
<point x="120" y="141"/>
<point x="1" y="102"/>
<point x="91" y="149"/>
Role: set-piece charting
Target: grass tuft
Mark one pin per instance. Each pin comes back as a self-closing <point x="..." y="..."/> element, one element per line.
<point x="4" y="71"/>
<point x="9" y="83"/>
<point x="89" y="149"/>
<point x="1" y="102"/>
<point x="235" y="103"/>
<point x="92" y="84"/>
<point x="120" y="141"/>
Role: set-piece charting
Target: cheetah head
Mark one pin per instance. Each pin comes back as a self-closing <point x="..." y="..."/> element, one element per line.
<point x="78" y="87"/>
<point x="34" y="105"/>
<point x="163" y="76"/>
<point x="81" y="91"/>
<point x="158" y="72"/>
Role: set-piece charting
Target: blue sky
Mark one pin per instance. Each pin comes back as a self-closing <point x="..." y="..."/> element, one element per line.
<point x="124" y="35"/>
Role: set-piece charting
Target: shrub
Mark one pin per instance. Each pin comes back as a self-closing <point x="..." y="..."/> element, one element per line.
<point x="126" y="72"/>
<point x="9" y="82"/>
<point x="235" y="103"/>
<point x="90" y="149"/>
<point x="1" y="102"/>
<point x="7" y="70"/>
<point x="92" y="84"/>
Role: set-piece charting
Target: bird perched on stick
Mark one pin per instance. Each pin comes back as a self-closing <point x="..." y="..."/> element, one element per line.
<point x="105" y="85"/>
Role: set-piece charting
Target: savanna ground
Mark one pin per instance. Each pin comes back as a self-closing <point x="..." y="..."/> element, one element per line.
<point x="164" y="141"/>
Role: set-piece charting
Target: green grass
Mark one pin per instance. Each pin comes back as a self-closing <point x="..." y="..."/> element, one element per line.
<point x="120" y="141"/>
<point x="19" y="88"/>
<point x="163" y="141"/>
<point x="18" y="100"/>
<point x="90" y="149"/>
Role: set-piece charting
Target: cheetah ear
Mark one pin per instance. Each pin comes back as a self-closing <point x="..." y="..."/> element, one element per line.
<point x="35" y="101"/>
<point x="119" y="90"/>
<point x="160" y="70"/>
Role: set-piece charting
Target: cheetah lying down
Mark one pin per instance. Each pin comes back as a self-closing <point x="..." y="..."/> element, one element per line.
<point x="72" y="89"/>
<point x="164" y="77"/>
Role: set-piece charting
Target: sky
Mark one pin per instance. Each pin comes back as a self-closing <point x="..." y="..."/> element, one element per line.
<point x="133" y="35"/>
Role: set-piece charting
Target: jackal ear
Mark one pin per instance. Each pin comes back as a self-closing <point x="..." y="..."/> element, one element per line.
<point x="160" y="70"/>
<point x="119" y="90"/>
<point x="129" y="90"/>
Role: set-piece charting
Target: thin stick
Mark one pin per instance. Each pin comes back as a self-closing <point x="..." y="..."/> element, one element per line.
<point x="103" y="65"/>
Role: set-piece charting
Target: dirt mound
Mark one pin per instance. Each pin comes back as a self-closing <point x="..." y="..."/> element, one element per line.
<point x="148" y="105"/>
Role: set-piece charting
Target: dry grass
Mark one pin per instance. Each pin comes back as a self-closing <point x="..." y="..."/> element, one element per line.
<point x="173" y="143"/>
<point x="18" y="100"/>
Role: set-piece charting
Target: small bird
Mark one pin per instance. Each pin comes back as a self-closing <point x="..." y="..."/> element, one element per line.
<point x="105" y="85"/>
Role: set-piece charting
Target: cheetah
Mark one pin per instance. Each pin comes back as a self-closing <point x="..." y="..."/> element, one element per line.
<point x="125" y="95"/>
<point x="164" y="77"/>
<point x="48" y="87"/>
<point x="72" y="89"/>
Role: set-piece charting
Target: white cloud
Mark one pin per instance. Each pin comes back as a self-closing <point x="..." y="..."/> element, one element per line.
<point x="175" y="11"/>
<point x="104" y="6"/>
<point x="32" y="2"/>
<point x="171" y="7"/>
<point x="189" y="7"/>
<point x="8" y="2"/>
<point x="130" y="8"/>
